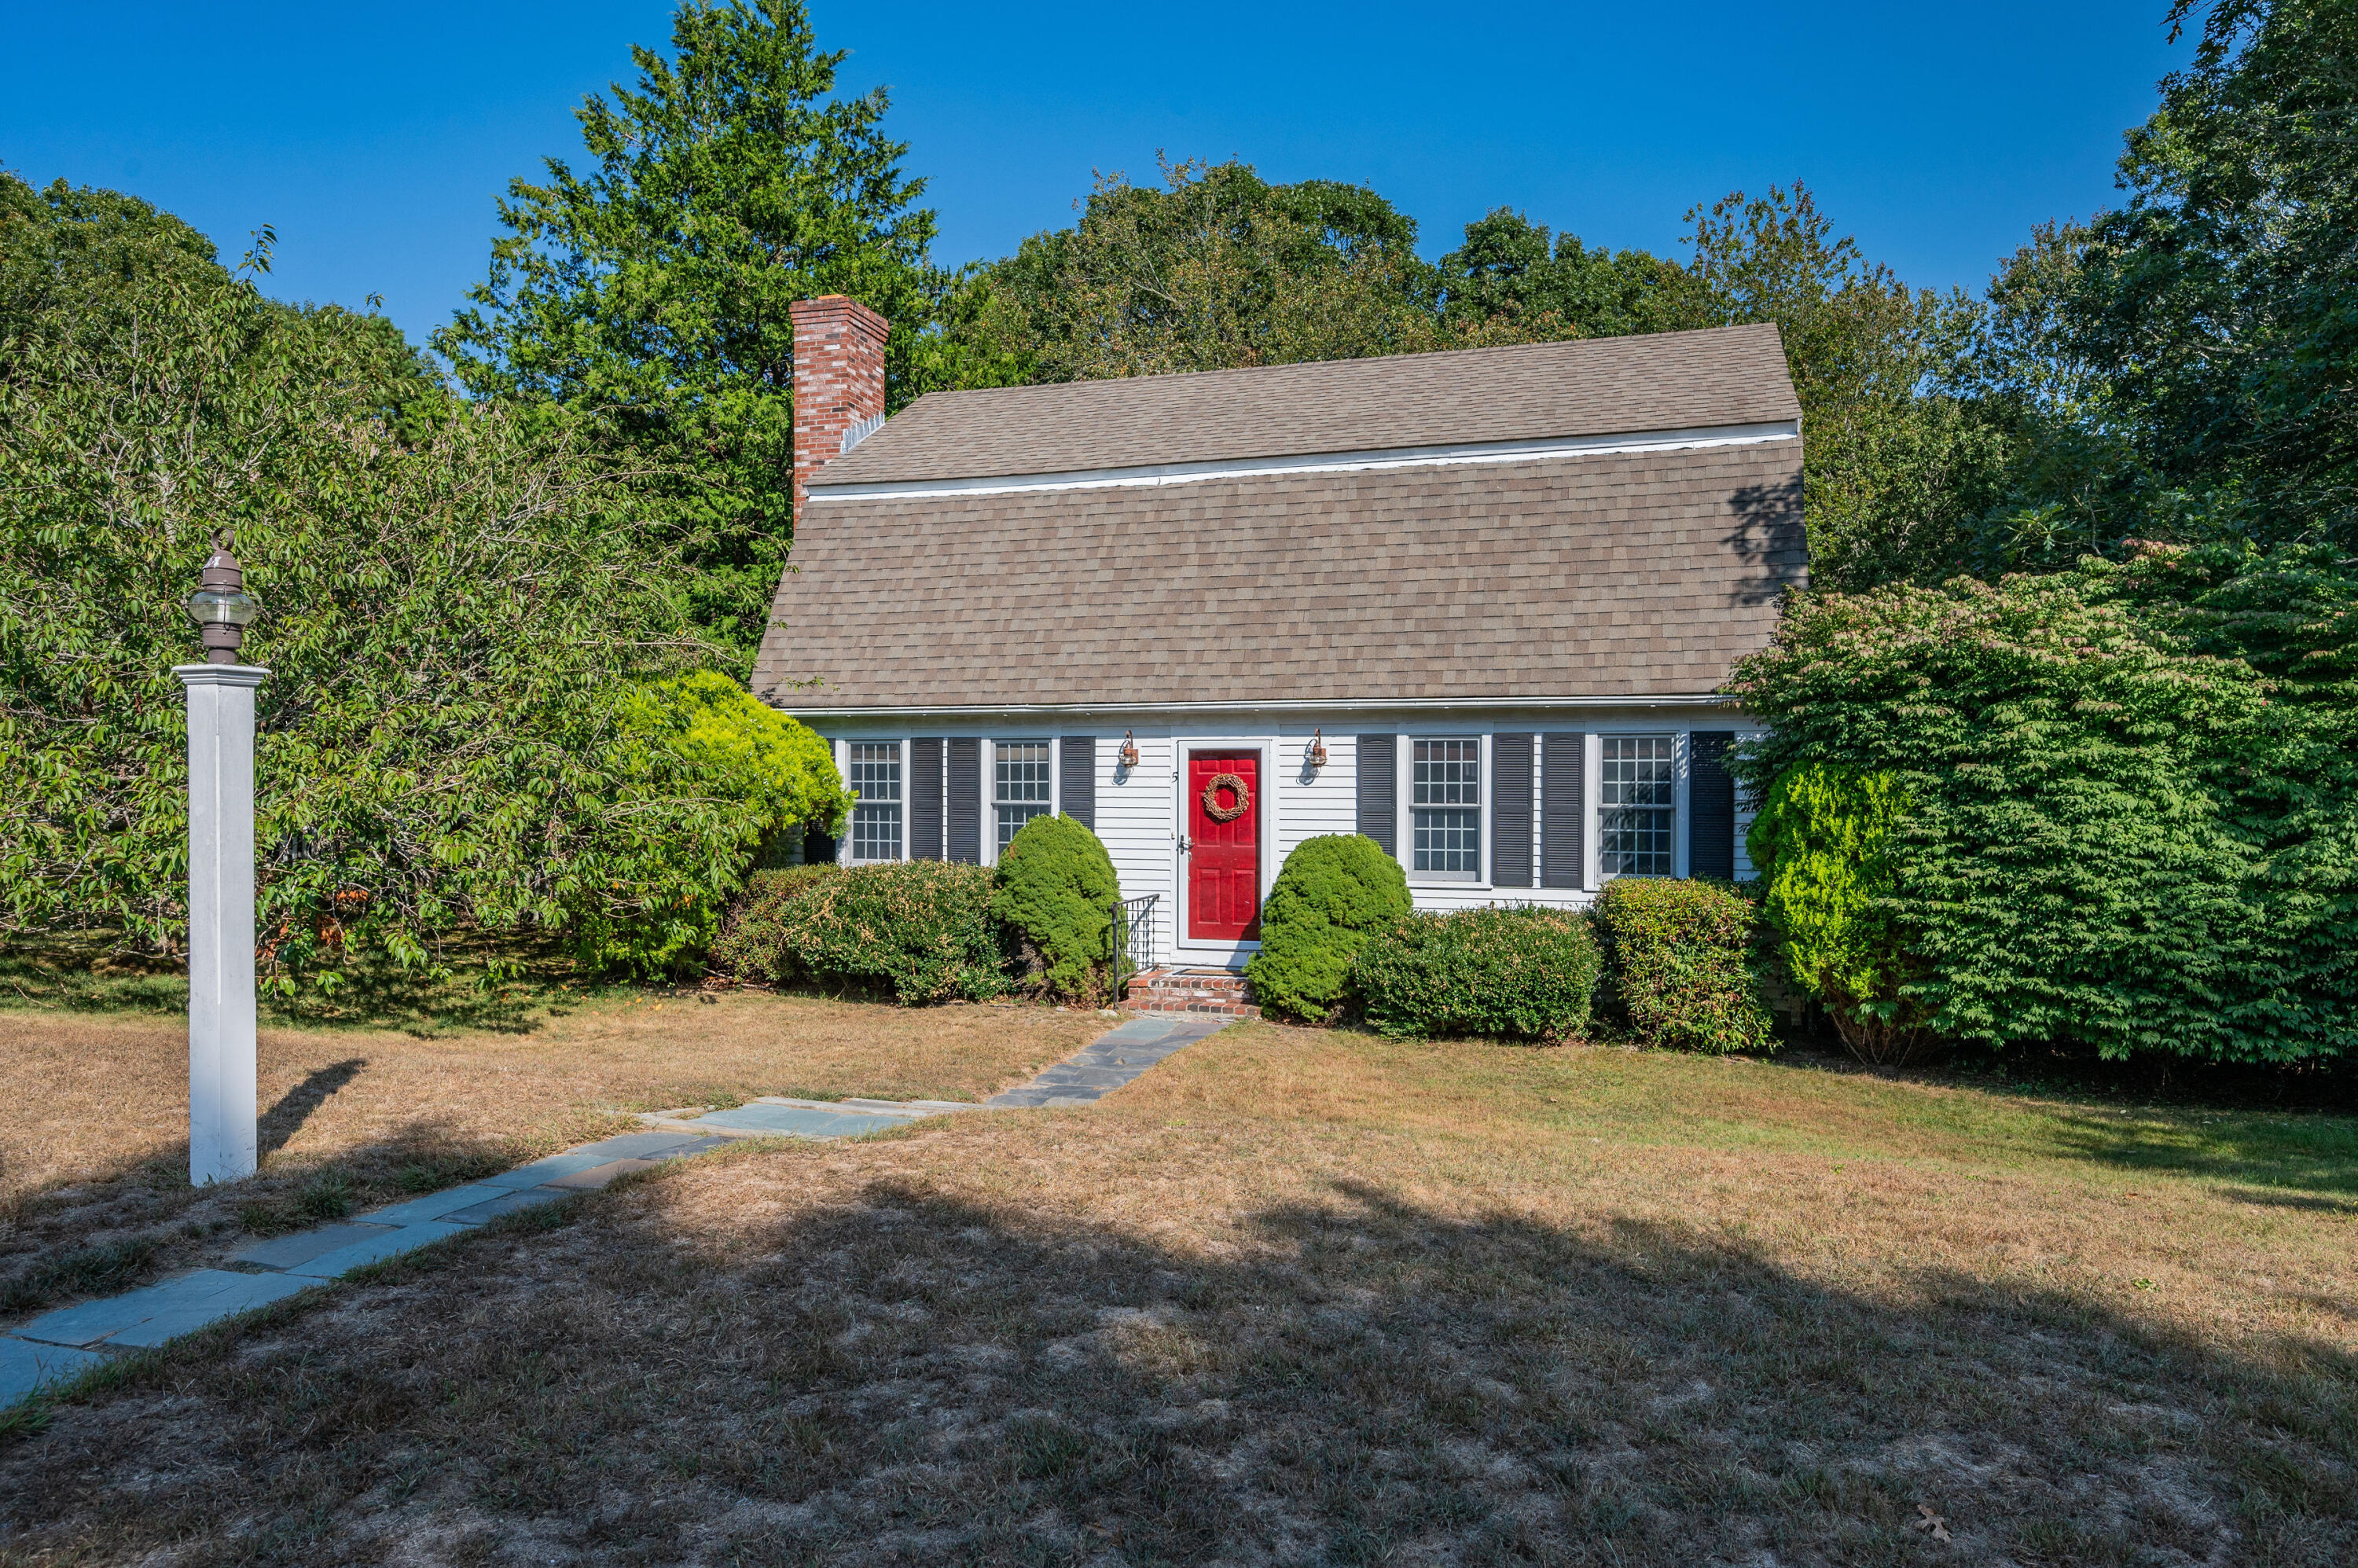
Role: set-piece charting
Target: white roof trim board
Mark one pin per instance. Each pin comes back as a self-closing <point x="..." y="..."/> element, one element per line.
<point x="1329" y="462"/>
<point x="784" y="698"/>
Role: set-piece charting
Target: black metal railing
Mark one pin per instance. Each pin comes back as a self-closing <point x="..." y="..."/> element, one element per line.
<point x="1133" y="939"/>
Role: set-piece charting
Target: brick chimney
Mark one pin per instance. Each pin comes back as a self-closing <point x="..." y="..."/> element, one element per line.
<point x="838" y="378"/>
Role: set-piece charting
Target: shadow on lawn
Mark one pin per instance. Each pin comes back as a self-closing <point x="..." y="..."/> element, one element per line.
<point x="2291" y="1154"/>
<point x="284" y="1119"/>
<point x="906" y="1377"/>
<point x="140" y="1219"/>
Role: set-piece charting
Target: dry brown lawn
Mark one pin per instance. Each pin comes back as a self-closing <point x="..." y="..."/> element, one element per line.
<point x="93" y="1128"/>
<point x="1305" y="1298"/>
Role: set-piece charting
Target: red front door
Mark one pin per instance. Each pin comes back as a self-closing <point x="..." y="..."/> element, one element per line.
<point x="1223" y="857"/>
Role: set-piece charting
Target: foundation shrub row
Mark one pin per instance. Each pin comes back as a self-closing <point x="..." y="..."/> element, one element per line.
<point x="926" y="930"/>
<point x="1666" y="963"/>
<point x="1669" y="963"/>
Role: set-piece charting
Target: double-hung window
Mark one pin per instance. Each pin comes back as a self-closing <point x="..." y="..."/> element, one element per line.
<point x="1019" y="786"/>
<point x="876" y="820"/>
<point x="1635" y="806"/>
<point x="1445" y="809"/>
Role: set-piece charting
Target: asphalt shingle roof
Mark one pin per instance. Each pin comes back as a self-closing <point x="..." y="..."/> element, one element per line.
<point x="1665" y="381"/>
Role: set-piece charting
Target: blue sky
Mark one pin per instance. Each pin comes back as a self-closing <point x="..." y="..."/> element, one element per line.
<point x="375" y="139"/>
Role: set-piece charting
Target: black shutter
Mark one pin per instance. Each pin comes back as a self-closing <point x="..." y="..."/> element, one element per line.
<point x="1510" y="811"/>
<point x="1377" y="792"/>
<point x="965" y="802"/>
<point x="1077" y="761"/>
<point x="926" y="799"/>
<point x="1711" y="805"/>
<point x="1565" y="766"/>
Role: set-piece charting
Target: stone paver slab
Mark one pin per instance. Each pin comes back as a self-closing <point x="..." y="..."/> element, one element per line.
<point x="154" y="1314"/>
<point x="1089" y="1077"/>
<point x="376" y="1249"/>
<point x="506" y="1202"/>
<point x="693" y="1146"/>
<point x="597" y="1176"/>
<point x="636" y="1145"/>
<point x="285" y="1251"/>
<point x="795" y="1121"/>
<point x="911" y="1106"/>
<point x="547" y="1170"/>
<point x="25" y="1367"/>
<point x="1047" y="1095"/>
<point x="434" y="1206"/>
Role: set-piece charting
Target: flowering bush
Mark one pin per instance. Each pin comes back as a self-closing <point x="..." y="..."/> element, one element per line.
<point x="753" y="941"/>
<point x="1679" y="955"/>
<point x="1523" y="973"/>
<point x="920" y="929"/>
<point x="2131" y="790"/>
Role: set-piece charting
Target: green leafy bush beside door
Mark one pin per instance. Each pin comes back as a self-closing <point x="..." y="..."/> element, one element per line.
<point x="1055" y="893"/>
<point x="1331" y="893"/>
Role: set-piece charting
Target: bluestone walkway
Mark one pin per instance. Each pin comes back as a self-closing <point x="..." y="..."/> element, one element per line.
<point x="59" y="1345"/>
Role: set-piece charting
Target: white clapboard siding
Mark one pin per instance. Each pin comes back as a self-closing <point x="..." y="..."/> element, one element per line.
<point x="1312" y="801"/>
<point x="1134" y="823"/>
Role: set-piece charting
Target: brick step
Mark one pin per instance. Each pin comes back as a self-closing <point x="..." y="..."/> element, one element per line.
<point x="1182" y="990"/>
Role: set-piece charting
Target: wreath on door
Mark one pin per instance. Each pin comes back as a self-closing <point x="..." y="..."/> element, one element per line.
<point x="1235" y="786"/>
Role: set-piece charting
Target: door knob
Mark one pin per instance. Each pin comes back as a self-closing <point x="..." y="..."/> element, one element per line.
<point x="1185" y="848"/>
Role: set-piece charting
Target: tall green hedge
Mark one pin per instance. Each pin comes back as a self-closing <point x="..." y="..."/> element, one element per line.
<point x="1331" y="893"/>
<point x="1055" y="893"/>
<point x="2132" y="791"/>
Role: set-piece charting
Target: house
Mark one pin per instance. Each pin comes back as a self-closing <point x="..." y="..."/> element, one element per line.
<point x="1476" y="605"/>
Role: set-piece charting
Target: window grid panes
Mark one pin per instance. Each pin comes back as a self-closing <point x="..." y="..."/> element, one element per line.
<point x="1019" y="789"/>
<point x="1635" y="806"/>
<point x="1445" y="808"/>
<point x="876" y="820"/>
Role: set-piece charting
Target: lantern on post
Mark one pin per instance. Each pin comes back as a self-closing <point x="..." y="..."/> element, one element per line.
<point x="221" y="1141"/>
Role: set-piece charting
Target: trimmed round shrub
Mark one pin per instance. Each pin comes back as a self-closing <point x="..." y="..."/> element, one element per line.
<point x="1522" y="974"/>
<point x="1680" y="954"/>
<point x="1056" y="890"/>
<point x="753" y="941"/>
<point x="920" y="929"/>
<point x="1331" y="891"/>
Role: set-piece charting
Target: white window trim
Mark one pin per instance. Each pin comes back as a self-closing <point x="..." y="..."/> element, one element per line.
<point x="1593" y="802"/>
<point x="1592" y="787"/>
<point x="843" y="771"/>
<point x="899" y="744"/>
<point x="986" y="811"/>
<point x="1539" y="810"/>
<point x="1682" y="825"/>
<point x="1405" y="805"/>
<point x="989" y="783"/>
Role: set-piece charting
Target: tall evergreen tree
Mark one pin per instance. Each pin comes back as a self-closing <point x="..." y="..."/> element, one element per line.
<point x="654" y="286"/>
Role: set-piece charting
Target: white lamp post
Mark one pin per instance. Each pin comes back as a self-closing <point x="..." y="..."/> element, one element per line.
<point x="221" y="878"/>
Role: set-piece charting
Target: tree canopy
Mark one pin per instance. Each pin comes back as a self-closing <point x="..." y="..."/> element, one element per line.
<point x="652" y="288"/>
<point x="459" y="602"/>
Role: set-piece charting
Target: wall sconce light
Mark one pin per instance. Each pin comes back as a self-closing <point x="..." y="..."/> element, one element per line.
<point x="1129" y="750"/>
<point x="1317" y="751"/>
